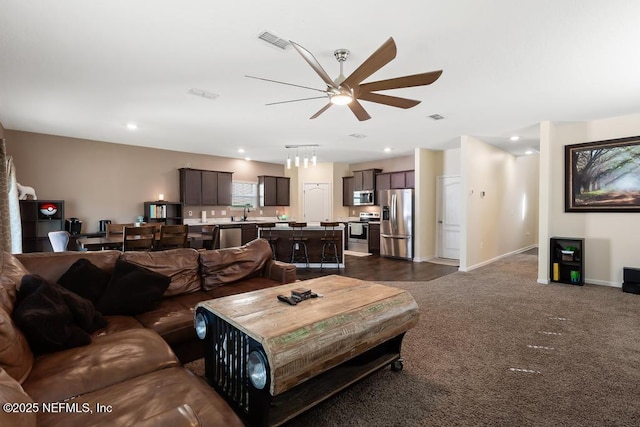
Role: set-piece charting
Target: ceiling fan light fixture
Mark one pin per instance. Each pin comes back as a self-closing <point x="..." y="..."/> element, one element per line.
<point x="341" y="99"/>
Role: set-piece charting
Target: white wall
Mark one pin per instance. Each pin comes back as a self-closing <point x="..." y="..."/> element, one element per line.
<point x="500" y="203"/>
<point x="611" y="239"/>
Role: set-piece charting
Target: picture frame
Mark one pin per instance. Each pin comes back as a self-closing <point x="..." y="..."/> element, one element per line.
<point x="603" y="176"/>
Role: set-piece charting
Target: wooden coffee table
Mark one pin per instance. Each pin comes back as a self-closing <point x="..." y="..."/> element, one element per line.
<point x="310" y="351"/>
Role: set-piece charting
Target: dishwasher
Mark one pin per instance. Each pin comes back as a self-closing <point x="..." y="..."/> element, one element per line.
<point x="230" y="236"/>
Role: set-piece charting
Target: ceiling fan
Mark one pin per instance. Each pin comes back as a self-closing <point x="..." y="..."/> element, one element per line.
<point x="350" y="90"/>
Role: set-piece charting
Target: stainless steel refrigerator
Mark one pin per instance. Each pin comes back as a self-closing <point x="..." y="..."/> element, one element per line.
<point x="396" y="225"/>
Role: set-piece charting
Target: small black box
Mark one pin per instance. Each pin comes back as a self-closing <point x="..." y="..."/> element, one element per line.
<point x="631" y="277"/>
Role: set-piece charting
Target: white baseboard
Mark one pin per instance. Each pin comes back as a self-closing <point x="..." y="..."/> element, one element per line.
<point x="499" y="257"/>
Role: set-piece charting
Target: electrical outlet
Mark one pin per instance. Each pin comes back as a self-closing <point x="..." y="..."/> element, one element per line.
<point x="224" y="213"/>
<point x="260" y="211"/>
<point x="213" y="212"/>
<point x="190" y="213"/>
<point x="353" y="212"/>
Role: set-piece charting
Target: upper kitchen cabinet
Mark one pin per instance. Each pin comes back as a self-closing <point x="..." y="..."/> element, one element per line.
<point x="347" y="190"/>
<point x="393" y="180"/>
<point x="205" y="188"/>
<point x="273" y="190"/>
<point x="365" y="179"/>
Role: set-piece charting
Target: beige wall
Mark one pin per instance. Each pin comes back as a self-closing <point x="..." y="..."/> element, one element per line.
<point x="101" y="180"/>
<point x="427" y="166"/>
<point x="1" y="131"/>
<point x="500" y="203"/>
<point x="387" y="165"/>
<point x="610" y="238"/>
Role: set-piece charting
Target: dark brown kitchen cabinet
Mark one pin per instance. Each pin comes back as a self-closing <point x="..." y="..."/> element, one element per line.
<point x="365" y="179"/>
<point x="347" y="191"/>
<point x="273" y="190"/>
<point x="394" y="180"/>
<point x="224" y="188"/>
<point x="191" y="186"/>
<point x="410" y="179"/>
<point x="374" y="238"/>
<point x="249" y="233"/>
<point x="383" y="181"/>
<point x="210" y="188"/>
<point x="205" y="188"/>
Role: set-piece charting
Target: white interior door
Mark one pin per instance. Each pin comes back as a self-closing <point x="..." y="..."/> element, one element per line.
<point x="448" y="200"/>
<point x="317" y="202"/>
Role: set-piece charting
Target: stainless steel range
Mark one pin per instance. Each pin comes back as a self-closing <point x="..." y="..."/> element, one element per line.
<point x="358" y="234"/>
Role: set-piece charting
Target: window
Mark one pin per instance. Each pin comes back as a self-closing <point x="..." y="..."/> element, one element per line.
<point x="244" y="193"/>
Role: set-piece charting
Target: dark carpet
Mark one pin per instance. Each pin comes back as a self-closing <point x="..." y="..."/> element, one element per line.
<point x="494" y="348"/>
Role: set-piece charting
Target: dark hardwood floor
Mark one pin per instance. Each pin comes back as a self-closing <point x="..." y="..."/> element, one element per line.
<point x="378" y="268"/>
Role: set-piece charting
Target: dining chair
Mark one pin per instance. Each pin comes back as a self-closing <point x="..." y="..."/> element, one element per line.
<point x="114" y="230"/>
<point x="59" y="240"/>
<point x="214" y="232"/>
<point x="138" y="238"/>
<point x="172" y="236"/>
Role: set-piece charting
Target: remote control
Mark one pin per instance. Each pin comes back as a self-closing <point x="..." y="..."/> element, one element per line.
<point x="287" y="300"/>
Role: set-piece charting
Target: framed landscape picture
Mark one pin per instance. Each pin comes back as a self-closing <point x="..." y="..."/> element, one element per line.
<point x="603" y="176"/>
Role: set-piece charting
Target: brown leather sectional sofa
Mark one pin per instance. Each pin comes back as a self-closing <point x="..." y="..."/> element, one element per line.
<point x="131" y="373"/>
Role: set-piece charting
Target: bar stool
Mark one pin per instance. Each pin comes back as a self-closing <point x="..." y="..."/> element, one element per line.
<point x="299" y="243"/>
<point x="329" y="246"/>
<point x="265" y="233"/>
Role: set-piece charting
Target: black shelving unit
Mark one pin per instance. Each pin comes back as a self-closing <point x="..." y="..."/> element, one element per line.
<point x="169" y="213"/>
<point x="36" y="224"/>
<point x="567" y="260"/>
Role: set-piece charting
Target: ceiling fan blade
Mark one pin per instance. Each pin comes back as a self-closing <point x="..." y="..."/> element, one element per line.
<point x="284" y="83"/>
<point x="393" y="101"/>
<point x="373" y="63"/>
<point x="308" y="56"/>
<point x="322" y="110"/>
<point x="358" y="110"/>
<point x="400" y="82"/>
<point x="296" y="100"/>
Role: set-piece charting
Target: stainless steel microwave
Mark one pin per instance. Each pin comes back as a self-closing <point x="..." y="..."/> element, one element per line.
<point x="363" y="198"/>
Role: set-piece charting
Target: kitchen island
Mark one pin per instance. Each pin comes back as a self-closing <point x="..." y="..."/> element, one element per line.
<point x="314" y="233"/>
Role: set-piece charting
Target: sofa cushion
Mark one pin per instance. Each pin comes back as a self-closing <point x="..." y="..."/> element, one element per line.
<point x="11" y="392"/>
<point x="11" y="272"/>
<point x="223" y="266"/>
<point x="85" y="279"/>
<point x="15" y="354"/>
<point x="108" y="360"/>
<point x="52" y="265"/>
<point x="132" y="289"/>
<point x="173" y="318"/>
<point x="247" y="285"/>
<point x="117" y="324"/>
<point x="179" y="264"/>
<point x="52" y="317"/>
<point x="142" y="398"/>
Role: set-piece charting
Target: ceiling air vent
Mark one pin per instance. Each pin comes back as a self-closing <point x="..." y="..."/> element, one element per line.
<point x="203" y="93"/>
<point x="358" y="135"/>
<point x="274" y="40"/>
<point x="436" y="117"/>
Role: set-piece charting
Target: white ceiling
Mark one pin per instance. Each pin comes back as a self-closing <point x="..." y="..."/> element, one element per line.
<point x="85" y="69"/>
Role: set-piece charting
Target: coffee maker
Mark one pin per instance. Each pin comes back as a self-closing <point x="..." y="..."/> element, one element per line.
<point x="73" y="226"/>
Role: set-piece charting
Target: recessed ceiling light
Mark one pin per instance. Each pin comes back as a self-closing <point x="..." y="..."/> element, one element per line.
<point x="247" y="159"/>
<point x="514" y="138"/>
<point x="387" y="150"/>
<point x="132" y="126"/>
<point x="528" y="152"/>
<point x="358" y="135"/>
<point x="240" y="150"/>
